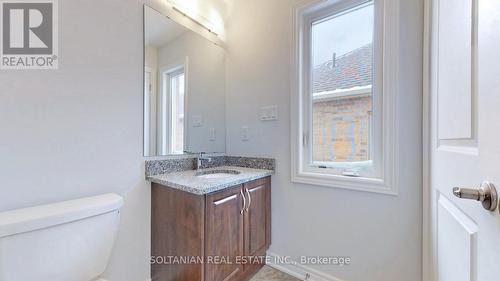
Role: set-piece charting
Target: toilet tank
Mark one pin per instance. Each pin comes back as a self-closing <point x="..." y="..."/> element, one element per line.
<point x="65" y="241"/>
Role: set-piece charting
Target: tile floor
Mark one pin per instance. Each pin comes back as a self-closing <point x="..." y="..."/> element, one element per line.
<point x="270" y="274"/>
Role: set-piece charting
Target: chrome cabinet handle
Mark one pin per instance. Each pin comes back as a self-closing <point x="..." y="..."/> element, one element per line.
<point x="224" y="200"/>
<point x="244" y="202"/>
<point x="249" y="199"/>
<point x="486" y="194"/>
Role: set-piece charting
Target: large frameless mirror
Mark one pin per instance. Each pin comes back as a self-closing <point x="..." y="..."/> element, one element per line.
<point x="184" y="89"/>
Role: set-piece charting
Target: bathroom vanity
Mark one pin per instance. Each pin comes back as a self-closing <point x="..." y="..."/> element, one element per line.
<point x="210" y="229"/>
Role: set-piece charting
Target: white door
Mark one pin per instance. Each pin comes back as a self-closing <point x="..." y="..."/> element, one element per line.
<point x="465" y="138"/>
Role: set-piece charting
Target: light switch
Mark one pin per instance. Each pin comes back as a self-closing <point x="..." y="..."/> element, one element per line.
<point x="197" y="121"/>
<point x="212" y="134"/>
<point x="244" y="133"/>
<point x="269" y="113"/>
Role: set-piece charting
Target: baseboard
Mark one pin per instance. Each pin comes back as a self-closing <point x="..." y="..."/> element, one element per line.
<point x="300" y="271"/>
<point x="149" y="279"/>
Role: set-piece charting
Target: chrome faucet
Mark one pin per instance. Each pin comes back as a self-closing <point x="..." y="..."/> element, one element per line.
<point x="200" y="160"/>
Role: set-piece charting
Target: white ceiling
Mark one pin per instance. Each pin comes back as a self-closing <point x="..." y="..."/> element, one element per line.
<point x="160" y="30"/>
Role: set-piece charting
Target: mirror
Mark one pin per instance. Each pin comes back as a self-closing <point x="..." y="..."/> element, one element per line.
<point x="184" y="89"/>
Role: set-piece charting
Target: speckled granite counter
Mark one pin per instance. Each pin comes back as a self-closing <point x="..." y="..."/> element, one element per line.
<point x="188" y="162"/>
<point x="189" y="182"/>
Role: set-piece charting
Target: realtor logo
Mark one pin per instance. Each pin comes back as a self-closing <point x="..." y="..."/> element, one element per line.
<point x="28" y="34"/>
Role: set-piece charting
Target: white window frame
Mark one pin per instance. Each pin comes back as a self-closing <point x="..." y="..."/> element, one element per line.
<point x="172" y="75"/>
<point x="165" y="103"/>
<point x="150" y="106"/>
<point x="380" y="179"/>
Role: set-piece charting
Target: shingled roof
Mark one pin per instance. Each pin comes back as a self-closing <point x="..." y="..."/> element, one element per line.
<point x="353" y="69"/>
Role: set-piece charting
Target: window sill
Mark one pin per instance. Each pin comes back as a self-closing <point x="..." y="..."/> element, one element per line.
<point x="345" y="182"/>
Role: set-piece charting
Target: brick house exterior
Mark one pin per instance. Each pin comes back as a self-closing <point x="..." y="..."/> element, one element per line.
<point x="342" y="107"/>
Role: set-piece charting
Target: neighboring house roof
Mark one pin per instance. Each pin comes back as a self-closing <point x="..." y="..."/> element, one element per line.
<point x="351" y="70"/>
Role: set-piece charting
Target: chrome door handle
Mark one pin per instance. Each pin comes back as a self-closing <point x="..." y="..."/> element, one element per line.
<point x="244" y="201"/>
<point x="249" y="199"/>
<point x="486" y="194"/>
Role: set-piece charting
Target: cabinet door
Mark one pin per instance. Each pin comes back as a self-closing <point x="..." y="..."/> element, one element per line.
<point x="224" y="235"/>
<point x="257" y="220"/>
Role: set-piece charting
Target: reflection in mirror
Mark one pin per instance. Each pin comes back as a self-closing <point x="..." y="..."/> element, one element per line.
<point x="184" y="89"/>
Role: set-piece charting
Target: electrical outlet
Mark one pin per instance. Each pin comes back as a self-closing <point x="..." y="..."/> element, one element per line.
<point x="212" y="134"/>
<point x="197" y="120"/>
<point x="244" y="133"/>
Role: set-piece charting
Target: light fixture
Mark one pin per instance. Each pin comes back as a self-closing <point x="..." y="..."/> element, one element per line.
<point x="194" y="20"/>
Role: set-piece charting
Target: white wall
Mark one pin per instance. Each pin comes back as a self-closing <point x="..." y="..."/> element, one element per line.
<point x="151" y="57"/>
<point x="381" y="233"/>
<point x="77" y="131"/>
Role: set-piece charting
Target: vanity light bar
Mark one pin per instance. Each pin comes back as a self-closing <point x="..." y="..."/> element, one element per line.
<point x="194" y="20"/>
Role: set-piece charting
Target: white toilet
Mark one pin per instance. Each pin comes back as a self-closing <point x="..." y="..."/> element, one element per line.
<point x="66" y="241"/>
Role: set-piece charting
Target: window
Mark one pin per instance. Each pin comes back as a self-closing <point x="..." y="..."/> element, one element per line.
<point x="341" y="89"/>
<point x="177" y="111"/>
<point x="341" y="106"/>
<point x="172" y="110"/>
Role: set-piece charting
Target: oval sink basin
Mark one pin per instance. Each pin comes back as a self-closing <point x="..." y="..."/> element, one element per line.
<point x="217" y="174"/>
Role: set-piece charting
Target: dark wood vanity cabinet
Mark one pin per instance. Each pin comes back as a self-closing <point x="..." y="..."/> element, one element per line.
<point x="257" y="222"/>
<point x="223" y="235"/>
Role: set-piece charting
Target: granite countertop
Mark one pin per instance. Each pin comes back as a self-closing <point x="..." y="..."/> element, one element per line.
<point x="189" y="182"/>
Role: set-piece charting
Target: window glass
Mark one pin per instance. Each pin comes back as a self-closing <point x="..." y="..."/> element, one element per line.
<point x="177" y="98"/>
<point x="342" y="79"/>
